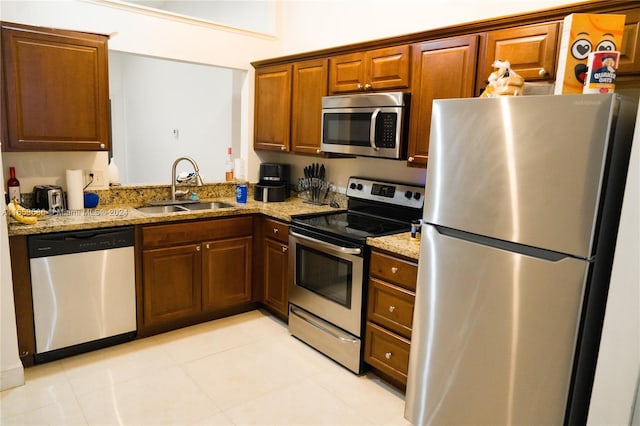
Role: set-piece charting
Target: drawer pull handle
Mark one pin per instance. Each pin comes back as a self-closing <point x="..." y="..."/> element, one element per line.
<point x="394" y="269"/>
<point x="388" y="355"/>
<point x="392" y="308"/>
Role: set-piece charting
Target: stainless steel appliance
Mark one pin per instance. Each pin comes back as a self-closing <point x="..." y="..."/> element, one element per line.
<point x="371" y="124"/>
<point x="83" y="285"/>
<point x="273" y="184"/>
<point x="521" y="215"/>
<point x="49" y="197"/>
<point x="329" y="264"/>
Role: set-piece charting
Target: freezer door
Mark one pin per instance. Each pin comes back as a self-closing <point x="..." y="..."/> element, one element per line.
<point x="526" y="169"/>
<point x="493" y="335"/>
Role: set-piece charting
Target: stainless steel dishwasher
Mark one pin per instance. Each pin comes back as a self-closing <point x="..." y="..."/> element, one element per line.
<point x="83" y="286"/>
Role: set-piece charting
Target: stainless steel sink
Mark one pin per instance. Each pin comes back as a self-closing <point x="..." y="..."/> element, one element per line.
<point x="162" y="209"/>
<point x="185" y="207"/>
<point x="212" y="205"/>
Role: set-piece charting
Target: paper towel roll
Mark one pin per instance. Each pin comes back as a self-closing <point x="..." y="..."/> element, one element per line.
<point x="238" y="168"/>
<point x="75" y="185"/>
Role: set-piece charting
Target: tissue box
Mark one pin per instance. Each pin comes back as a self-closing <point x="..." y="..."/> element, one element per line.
<point x="582" y="34"/>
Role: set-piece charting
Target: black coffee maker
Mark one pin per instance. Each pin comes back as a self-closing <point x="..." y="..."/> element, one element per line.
<point x="273" y="184"/>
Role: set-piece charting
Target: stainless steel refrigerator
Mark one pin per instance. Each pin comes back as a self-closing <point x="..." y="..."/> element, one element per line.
<point x="522" y="208"/>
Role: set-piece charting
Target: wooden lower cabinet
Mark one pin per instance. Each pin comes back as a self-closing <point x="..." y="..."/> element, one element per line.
<point x="390" y="304"/>
<point x="194" y="271"/>
<point x="275" y="267"/>
<point x="171" y="283"/>
<point x="226" y="278"/>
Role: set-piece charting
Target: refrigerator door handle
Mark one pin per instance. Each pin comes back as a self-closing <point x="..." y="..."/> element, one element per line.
<point x="551" y="256"/>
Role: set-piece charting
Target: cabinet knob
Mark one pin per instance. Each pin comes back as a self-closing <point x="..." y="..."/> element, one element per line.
<point x="284" y="249"/>
<point x="318" y="151"/>
<point x="197" y="248"/>
<point x="411" y="159"/>
<point x="392" y="308"/>
<point x="367" y="86"/>
<point x="24" y="353"/>
<point x="542" y="72"/>
<point x="394" y="269"/>
<point x="359" y="86"/>
<point x="282" y="148"/>
<point x="275" y="230"/>
<point x="388" y="355"/>
<point x="207" y="246"/>
<point x="102" y="146"/>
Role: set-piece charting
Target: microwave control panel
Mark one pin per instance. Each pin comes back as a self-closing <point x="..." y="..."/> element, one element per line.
<point x="386" y="130"/>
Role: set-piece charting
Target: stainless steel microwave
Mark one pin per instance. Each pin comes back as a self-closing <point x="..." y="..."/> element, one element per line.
<point x="371" y="124"/>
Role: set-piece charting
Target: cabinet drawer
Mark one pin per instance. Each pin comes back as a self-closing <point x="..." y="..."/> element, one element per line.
<point x="196" y="231"/>
<point x="387" y="352"/>
<point x="391" y="306"/>
<point x="394" y="270"/>
<point x="276" y="230"/>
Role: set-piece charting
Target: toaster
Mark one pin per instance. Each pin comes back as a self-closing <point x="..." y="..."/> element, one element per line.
<point x="49" y="197"/>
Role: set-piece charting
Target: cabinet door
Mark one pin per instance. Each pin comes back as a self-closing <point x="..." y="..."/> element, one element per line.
<point x="57" y="93"/>
<point x="441" y="69"/>
<point x="531" y="50"/>
<point x="272" y="108"/>
<point x="346" y="73"/>
<point x="630" y="49"/>
<point x="310" y="81"/>
<point x="171" y="283"/>
<point x="387" y="68"/>
<point x="380" y="69"/>
<point x="276" y="261"/>
<point x="226" y="273"/>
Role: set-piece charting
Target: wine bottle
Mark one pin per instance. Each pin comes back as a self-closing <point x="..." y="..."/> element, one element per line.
<point x="228" y="166"/>
<point x="13" y="185"/>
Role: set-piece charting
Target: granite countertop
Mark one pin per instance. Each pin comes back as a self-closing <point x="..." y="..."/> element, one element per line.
<point x="120" y="215"/>
<point x="124" y="213"/>
<point x="401" y="244"/>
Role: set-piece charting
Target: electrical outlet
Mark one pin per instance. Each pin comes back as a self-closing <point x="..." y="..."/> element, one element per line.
<point x="99" y="180"/>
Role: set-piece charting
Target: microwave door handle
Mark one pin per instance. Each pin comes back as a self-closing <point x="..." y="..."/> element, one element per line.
<point x="372" y="130"/>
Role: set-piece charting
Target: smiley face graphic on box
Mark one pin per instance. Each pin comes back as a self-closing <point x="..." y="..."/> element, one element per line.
<point x="582" y="34"/>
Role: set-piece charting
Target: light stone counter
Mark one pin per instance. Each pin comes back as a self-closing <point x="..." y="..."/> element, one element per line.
<point x="401" y="244"/>
<point x="120" y="215"/>
<point x="117" y="208"/>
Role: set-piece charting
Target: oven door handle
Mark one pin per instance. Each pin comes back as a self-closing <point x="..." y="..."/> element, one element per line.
<point x="372" y="129"/>
<point x="304" y="318"/>
<point x="344" y="250"/>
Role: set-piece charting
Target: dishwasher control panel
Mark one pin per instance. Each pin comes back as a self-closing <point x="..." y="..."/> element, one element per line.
<point x="80" y="241"/>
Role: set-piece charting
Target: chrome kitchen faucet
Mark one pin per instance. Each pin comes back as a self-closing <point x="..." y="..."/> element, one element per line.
<point x="196" y="177"/>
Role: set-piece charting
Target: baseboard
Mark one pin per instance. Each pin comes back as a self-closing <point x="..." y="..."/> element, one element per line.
<point x="12" y="378"/>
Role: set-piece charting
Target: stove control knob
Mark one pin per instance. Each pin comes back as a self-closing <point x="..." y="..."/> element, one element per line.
<point x="408" y="194"/>
<point x="352" y="186"/>
<point x="417" y="195"/>
<point x="359" y="187"/>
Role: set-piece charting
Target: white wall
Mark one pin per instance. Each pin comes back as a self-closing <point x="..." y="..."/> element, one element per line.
<point x="162" y="110"/>
<point x="11" y="370"/>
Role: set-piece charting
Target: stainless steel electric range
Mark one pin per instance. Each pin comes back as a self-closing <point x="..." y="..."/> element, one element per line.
<point x="328" y="265"/>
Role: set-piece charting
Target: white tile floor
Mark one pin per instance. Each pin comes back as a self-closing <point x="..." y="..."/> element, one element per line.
<point x="240" y="370"/>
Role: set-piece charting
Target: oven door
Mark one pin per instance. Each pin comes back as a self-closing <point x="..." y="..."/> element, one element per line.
<point x="327" y="280"/>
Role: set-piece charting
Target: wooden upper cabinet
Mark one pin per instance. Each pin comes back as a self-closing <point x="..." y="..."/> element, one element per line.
<point x="56" y="90"/>
<point x="310" y="81"/>
<point x="272" y="116"/>
<point x="630" y="49"/>
<point x="380" y="69"/>
<point x="531" y="50"/>
<point x="441" y="69"/>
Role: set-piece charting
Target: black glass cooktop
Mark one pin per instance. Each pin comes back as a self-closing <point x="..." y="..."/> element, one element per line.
<point x="351" y="225"/>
